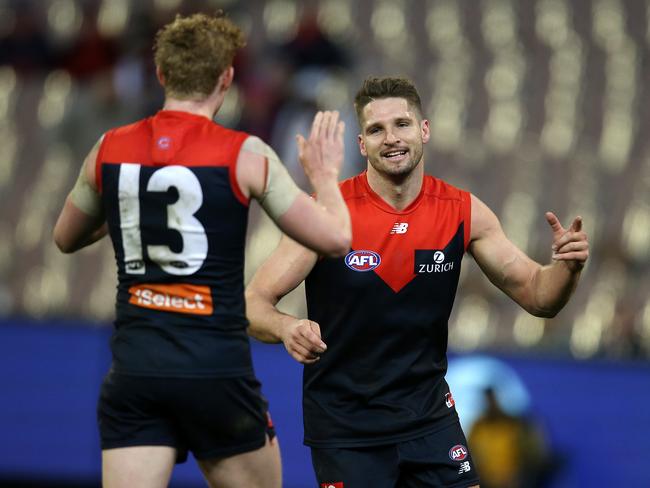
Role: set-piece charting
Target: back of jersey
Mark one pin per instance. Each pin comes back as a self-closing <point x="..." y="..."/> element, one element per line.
<point x="177" y="219"/>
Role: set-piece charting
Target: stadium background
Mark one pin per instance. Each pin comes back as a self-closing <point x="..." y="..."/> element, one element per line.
<point x="534" y="105"/>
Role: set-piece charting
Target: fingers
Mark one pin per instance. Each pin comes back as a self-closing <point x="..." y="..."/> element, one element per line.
<point x="300" y="140"/>
<point x="304" y="342"/>
<point x="340" y="130"/>
<point x="316" y="125"/>
<point x="333" y="123"/>
<point x="570" y="247"/>
<point x="326" y="125"/>
<point x="553" y="221"/>
<point x="576" y="225"/>
<point x="302" y="354"/>
<point x="316" y="337"/>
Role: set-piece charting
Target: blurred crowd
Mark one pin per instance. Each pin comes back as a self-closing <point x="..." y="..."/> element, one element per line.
<point x="534" y="105"/>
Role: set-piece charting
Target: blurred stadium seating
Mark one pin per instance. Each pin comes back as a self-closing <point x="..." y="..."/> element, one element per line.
<point x="534" y="105"/>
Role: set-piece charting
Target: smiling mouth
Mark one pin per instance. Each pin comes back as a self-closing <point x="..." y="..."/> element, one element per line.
<point x="396" y="154"/>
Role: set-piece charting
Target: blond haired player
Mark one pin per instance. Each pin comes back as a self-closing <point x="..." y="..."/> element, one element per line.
<point x="172" y="191"/>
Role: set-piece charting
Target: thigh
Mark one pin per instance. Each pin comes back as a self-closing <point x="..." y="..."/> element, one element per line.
<point x="437" y="460"/>
<point x="144" y="467"/>
<point x="260" y="468"/>
<point x="131" y="412"/>
<point x="356" y="468"/>
<point x="220" y="417"/>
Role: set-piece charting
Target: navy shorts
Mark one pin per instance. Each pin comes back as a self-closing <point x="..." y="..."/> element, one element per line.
<point x="440" y="459"/>
<point x="211" y="417"/>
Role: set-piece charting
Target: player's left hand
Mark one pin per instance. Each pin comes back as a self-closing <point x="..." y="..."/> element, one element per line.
<point x="569" y="245"/>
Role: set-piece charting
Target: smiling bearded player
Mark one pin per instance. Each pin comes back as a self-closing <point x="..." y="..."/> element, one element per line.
<point x="377" y="409"/>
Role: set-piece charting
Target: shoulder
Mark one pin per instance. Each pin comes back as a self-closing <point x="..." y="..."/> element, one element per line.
<point x="440" y="188"/>
<point x="255" y="145"/>
<point x="484" y="220"/>
<point x="134" y="127"/>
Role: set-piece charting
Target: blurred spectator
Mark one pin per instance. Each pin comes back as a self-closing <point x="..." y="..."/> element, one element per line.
<point x="26" y="47"/>
<point x="91" y="52"/>
<point x="509" y="451"/>
<point x="311" y="47"/>
<point x="311" y="60"/>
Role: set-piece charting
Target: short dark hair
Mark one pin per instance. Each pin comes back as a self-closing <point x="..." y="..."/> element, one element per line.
<point x="374" y="88"/>
<point x="193" y="51"/>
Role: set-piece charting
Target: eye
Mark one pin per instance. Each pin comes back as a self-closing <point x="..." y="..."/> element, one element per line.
<point x="404" y="123"/>
<point x="373" y="130"/>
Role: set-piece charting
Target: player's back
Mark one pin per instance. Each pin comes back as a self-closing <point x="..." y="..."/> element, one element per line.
<point x="177" y="219"/>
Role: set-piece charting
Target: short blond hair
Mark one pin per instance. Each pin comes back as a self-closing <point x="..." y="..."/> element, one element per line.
<point x="192" y="52"/>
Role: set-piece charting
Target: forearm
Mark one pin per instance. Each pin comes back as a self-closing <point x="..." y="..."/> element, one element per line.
<point x="553" y="285"/>
<point x="75" y="229"/>
<point x="94" y="237"/>
<point x="329" y="196"/>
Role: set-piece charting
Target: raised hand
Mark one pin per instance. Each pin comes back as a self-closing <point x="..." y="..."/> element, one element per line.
<point x="569" y="245"/>
<point x="321" y="155"/>
<point x="303" y="341"/>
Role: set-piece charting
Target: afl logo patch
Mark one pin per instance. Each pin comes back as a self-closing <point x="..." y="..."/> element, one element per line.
<point x="164" y="142"/>
<point x="362" y="260"/>
<point x="458" y="452"/>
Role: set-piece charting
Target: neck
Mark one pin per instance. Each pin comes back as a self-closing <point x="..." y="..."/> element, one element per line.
<point x="398" y="191"/>
<point x="207" y="107"/>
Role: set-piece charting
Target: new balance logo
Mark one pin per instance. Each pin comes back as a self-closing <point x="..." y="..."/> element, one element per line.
<point x="464" y="468"/>
<point x="400" y="228"/>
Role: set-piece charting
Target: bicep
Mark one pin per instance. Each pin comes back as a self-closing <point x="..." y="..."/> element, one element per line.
<point x="283" y="271"/>
<point x="505" y="265"/>
<point x="82" y="214"/>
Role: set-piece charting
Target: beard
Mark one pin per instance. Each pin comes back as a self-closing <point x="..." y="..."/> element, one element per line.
<point x="400" y="169"/>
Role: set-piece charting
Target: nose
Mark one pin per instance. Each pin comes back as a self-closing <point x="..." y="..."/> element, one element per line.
<point x="390" y="138"/>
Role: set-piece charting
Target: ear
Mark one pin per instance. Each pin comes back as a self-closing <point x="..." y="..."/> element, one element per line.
<point x="425" y="130"/>
<point x="160" y="76"/>
<point x="362" y="146"/>
<point x="225" y="79"/>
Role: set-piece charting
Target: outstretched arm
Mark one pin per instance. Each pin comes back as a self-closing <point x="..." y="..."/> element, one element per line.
<point x="541" y="290"/>
<point x="283" y="271"/>
<point x="322" y="224"/>
<point x="81" y="221"/>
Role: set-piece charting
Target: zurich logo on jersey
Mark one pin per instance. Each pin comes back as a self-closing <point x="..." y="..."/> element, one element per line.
<point x="362" y="260"/>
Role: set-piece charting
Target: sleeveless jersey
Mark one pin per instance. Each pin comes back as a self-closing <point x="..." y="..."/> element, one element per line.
<point x="177" y="219"/>
<point x="383" y="311"/>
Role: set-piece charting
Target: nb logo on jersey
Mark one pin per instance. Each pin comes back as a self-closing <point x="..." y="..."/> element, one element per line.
<point x="464" y="468"/>
<point x="179" y="298"/>
<point x="449" y="400"/>
<point x="400" y="228"/>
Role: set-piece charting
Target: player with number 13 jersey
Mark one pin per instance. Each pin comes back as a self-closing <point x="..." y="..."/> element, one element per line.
<point x="177" y="219"/>
<point x="172" y="190"/>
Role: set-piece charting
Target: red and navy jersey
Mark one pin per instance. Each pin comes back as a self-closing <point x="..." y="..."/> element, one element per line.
<point x="177" y="219"/>
<point x="383" y="310"/>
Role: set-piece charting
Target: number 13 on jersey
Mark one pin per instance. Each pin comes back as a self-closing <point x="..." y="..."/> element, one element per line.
<point x="180" y="217"/>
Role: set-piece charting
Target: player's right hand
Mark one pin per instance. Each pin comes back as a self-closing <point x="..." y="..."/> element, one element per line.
<point x="321" y="155"/>
<point x="303" y="341"/>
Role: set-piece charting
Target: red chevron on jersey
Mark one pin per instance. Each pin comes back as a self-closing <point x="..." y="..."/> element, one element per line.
<point x="432" y="220"/>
